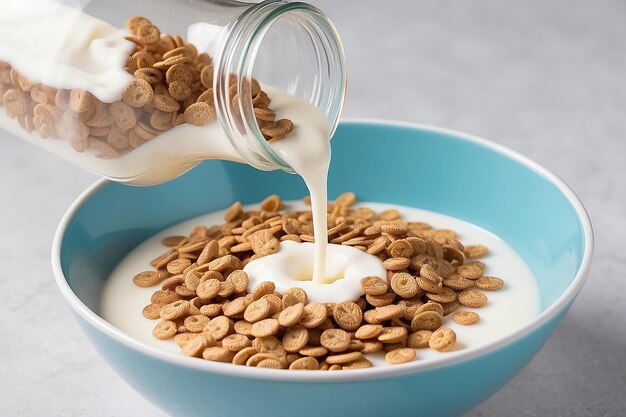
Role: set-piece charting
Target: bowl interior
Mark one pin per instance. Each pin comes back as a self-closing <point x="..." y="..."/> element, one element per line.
<point x="432" y="169"/>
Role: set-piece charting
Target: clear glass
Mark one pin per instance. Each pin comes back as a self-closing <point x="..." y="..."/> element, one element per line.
<point x="74" y="80"/>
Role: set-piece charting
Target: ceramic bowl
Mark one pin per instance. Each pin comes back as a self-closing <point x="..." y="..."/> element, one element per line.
<point x="418" y="166"/>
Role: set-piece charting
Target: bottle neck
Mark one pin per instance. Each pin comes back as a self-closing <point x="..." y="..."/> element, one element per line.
<point x="292" y="47"/>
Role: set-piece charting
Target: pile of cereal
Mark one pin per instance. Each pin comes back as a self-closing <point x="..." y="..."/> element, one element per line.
<point x="205" y="304"/>
<point x="173" y="85"/>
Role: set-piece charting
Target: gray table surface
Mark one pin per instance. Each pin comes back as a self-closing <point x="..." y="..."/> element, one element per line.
<point x="546" y="78"/>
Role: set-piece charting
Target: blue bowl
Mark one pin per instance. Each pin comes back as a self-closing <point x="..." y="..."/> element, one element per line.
<point x="449" y="172"/>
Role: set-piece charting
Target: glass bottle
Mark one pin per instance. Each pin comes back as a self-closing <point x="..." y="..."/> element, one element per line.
<point x="74" y="80"/>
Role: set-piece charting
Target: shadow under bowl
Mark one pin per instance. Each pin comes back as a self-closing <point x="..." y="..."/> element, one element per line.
<point x="424" y="167"/>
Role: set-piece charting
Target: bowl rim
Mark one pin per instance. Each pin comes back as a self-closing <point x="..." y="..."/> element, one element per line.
<point x="451" y="358"/>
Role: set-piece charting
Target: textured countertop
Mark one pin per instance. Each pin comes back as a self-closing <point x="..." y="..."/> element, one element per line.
<point x="546" y="78"/>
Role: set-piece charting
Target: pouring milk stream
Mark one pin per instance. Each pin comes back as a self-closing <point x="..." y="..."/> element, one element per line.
<point x="65" y="48"/>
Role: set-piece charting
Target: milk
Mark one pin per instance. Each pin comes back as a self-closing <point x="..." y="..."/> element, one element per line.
<point x="507" y="310"/>
<point x="307" y="151"/>
<point x="293" y="266"/>
<point x="62" y="47"/>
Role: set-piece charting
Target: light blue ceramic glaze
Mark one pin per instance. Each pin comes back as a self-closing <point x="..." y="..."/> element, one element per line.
<point x="417" y="166"/>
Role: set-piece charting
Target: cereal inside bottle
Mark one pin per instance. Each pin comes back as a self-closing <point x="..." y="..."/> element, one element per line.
<point x="140" y="92"/>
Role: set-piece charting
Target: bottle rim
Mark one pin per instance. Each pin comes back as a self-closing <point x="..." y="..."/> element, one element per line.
<point x="240" y="52"/>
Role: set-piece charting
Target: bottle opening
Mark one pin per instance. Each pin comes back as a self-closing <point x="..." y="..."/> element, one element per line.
<point x="292" y="47"/>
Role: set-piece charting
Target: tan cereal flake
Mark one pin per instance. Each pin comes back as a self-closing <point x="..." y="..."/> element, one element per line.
<point x="442" y="339"/>
<point x="466" y="318"/>
<point x="401" y="355"/>
<point x="472" y="298"/>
